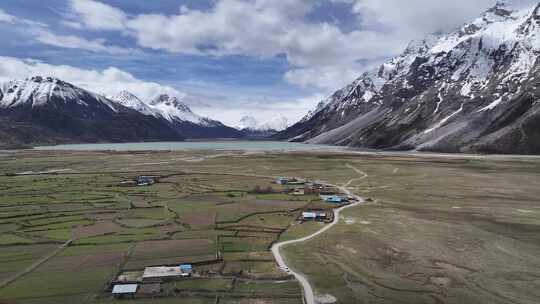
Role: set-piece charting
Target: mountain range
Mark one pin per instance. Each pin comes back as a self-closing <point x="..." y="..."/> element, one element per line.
<point x="475" y="89"/>
<point x="47" y="110"/>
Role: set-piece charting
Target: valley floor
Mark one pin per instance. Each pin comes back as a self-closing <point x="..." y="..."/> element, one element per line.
<point x="433" y="229"/>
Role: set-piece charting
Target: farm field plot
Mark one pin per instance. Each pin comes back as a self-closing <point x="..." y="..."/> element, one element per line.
<point x="171" y="252"/>
<point x="76" y="271"/>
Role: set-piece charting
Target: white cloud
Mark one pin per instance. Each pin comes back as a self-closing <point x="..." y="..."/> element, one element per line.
<point x="261" y="28"/>
<point x="5" y="17"/>
<point x="96" y="15"/>
<point x="107" y="82"/>
<point x="418" y="17"/>
<point x="258" y="28"/>
<point x="293" y="109"/>
<point x="40" y="33"/>
<point x="240" y="27"/>
<point x="75" y="42"/>
<point x="325" y="79"/>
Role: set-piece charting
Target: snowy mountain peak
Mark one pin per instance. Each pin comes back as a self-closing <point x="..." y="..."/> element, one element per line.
<point x="278" y="123"/>
<point x="125" y="96"/>
<point x="171" y="101"/>
<point x="129" y="100"/>
<point x="173" y="109"/>
<point x="41" y="79"/>
<point x="247" y="122"/>
<point x="501" y="9"/>
<point x="38" y="91"/>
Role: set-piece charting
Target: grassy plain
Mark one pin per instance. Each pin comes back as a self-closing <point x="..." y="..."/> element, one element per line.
<point x="437" y="230"/>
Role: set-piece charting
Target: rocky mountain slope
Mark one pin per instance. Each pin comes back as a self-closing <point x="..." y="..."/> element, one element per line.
<point x="472" y="90"/>
<point x="46" y="110"/>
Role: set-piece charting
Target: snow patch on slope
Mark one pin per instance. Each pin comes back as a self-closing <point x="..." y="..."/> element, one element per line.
<point x="444" y="120"/>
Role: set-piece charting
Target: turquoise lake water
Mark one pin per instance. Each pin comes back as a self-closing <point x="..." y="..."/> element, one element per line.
<point x="209" y="145"/>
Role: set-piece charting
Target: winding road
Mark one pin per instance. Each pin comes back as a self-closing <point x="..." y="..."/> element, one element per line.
<point x="309" y="296"/>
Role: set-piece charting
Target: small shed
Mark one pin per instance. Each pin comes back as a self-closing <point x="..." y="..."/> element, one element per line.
<point x="314" y="215"/>
<point x="121" y="290"/>
<point x="144" y="180"/>
<point x="309" y="215"/>
<point x="298" y="192"/>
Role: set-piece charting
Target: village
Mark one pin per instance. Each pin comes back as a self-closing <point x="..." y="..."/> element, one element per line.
<point x="148" y="282"/>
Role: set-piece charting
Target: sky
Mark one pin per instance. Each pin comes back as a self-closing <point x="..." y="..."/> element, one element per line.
<point x="225" y="58"/>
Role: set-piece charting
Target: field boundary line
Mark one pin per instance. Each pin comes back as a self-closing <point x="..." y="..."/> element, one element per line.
<point x="33" y="267"/>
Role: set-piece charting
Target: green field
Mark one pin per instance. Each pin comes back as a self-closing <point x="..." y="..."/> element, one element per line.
<point x="435" y="229"/>
<point x="195" y="214"/>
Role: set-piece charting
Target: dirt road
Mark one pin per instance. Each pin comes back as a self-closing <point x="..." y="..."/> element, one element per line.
<point x="309" y="296"/>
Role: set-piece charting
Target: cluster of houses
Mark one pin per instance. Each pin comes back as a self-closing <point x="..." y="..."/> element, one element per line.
<point x="327" y="194"/>
<point x="142" y="180"/>
<point x="149" y="283"/>
<point x="301" y="187"/>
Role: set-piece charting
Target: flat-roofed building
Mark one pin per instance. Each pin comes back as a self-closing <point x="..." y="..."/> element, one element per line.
<point x="163" y="272"/>
<point x="314" y="215"/>
<point x="120" y="290"/>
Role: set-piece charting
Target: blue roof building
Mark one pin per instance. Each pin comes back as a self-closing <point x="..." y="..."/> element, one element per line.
<point x="334" y="199"/>
<point x="186" y="268"/>
<point x="282" y="180"/>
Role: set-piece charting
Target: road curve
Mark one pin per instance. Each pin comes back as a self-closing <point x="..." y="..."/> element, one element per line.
<point x="309" y="296"/>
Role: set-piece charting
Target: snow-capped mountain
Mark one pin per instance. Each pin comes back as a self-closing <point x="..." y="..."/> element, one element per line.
<point x="278" y="123"/>
<point x="474" y="89"/>
<point x="173" y="109"/>
<point x="250" y="127"/>
<point x="178" y="114"/>
<point x="129" y="100"/>
<point x="163" y="105"/>
<point x="39" y="91"/>
<point x="247" y="122"/>
<point x="49" y="110"/>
